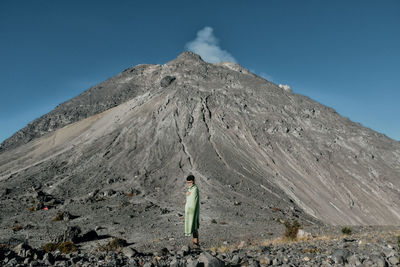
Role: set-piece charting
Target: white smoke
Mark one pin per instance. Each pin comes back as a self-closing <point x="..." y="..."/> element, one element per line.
<point x="285" y="87"/>
<point x="206" y="45"/>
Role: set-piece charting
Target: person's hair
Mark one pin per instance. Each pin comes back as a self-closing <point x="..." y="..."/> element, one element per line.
<point x="190" y="178"/>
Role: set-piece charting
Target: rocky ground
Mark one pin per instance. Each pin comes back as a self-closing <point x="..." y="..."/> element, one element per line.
<point x="364" y="246"/>
<point x="39" y="217"/>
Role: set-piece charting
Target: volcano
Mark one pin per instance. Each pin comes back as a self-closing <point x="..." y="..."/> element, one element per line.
<point x="117" y="156"/>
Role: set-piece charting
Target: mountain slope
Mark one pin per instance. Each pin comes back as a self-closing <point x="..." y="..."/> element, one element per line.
<point x="110" y="93"/>
<point x="260" y="154"/>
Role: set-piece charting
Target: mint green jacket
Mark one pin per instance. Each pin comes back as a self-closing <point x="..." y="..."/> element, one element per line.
<point x="192" y="210"/>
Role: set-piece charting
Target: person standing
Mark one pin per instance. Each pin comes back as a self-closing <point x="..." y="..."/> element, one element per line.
<point x="192" y="210"/>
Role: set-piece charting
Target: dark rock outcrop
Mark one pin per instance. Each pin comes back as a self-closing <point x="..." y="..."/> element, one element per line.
<point x="166" y="81"/>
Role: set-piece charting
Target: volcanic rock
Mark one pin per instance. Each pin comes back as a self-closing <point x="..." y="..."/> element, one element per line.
<point x="166" y="81"/>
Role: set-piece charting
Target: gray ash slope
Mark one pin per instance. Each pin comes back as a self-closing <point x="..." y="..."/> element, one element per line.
<point x="260" y="154"/>
<point x="96" y="99"/>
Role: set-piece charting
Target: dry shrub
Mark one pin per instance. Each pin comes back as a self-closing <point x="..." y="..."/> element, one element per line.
<point x="291" y="229"/>
<point x="113" y="245"/>
<point x="59" y="217"/>
<point x="17" y="227"/>
<point x="311" y="250"/>
<point x="67" y="247"/>
<point x="347" y="231"/>
<point x="50" y="247"/>
<point x="223" y="249"/>
<point x="398" y="242"/>
<point x="213" y="249"/>
<point x="230" y="247"/>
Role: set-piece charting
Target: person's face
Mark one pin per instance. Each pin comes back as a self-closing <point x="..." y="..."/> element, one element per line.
<point x="189" y="183"/>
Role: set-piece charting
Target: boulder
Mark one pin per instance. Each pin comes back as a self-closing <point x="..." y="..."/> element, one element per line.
<point x="109" y="193"/>
<point x="174" y="262"/>
<point x="166" y="81"/>
<point x="70" y="234"/>
<point x="67" y="216"/>
<point x="89" y="236"/>
<point x="340" y="256"/>
<point x="264" y="260"/>
<point x="14" y="241"/>
<point x="21" y="249"/>
<point x="393" y="260"/>
<point x="12" y="262"/>
<point x="129" y="252"/>
<point x="5" y="191"/>
<point x="210" y="261"/>
<point x="186" y="250"/>
<point x="48" y="259"/>
<point x="303" y="234"/>
<point x="378" y="261"/>
<point x="192" y="263"/>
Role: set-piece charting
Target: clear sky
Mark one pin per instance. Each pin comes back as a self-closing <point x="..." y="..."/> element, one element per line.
<point x="344" y="54"/>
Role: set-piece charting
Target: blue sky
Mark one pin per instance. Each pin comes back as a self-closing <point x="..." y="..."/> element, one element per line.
<point x="344" y="54"/>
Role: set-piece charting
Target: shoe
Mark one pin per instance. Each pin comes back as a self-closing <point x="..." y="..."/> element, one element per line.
<point x="194" y="245"/>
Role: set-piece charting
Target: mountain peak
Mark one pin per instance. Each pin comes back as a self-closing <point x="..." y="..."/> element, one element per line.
<point x="188" y="55"/>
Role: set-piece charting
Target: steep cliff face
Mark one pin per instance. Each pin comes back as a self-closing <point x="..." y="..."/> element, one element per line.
<point x="259" y="152"/>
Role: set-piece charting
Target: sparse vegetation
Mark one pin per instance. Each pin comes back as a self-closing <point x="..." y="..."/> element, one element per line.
<point x="50" y="247"/>
<point x="222" y="249"/>
<point x="114" y="245"/>
<point x="32" y="208"/>
<point x="398" y="242"/>
<point x="36" y="206"/>
<point x="311" y="250"/>
<point x="17" y="227"/>
<point x="292" y="228"/>
<point x="59" y="217"/>
<point x="65" y="247"/>
<point x="98" y="199"/>
<point x="3" y="246"/>
<point x="118" y="242"/>
<point x="275" y="209"/>
<point x="225" y="248"/>
<point x="347" y="231"/>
